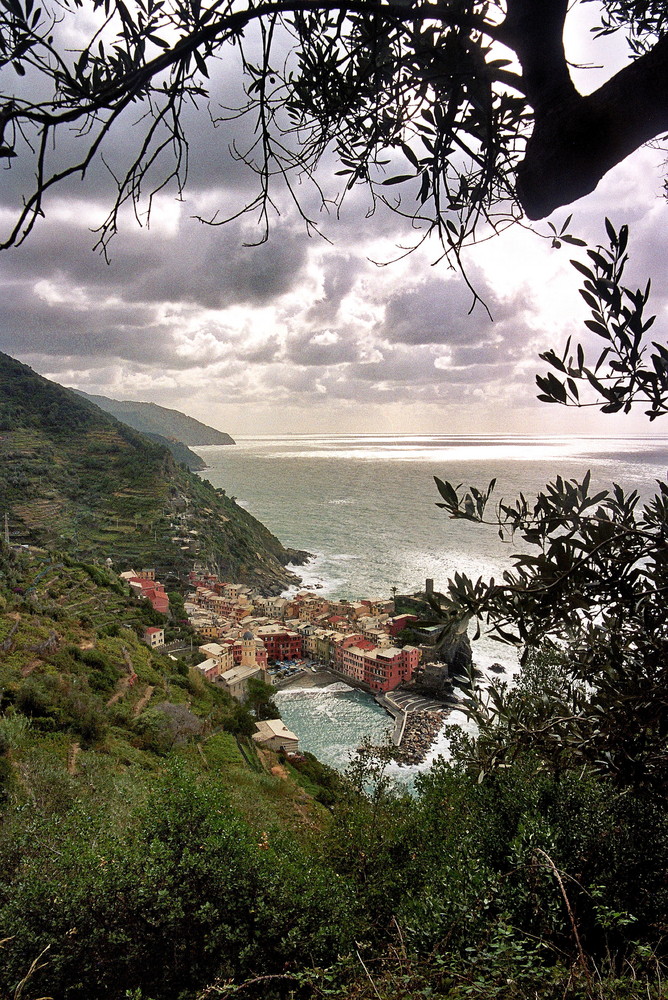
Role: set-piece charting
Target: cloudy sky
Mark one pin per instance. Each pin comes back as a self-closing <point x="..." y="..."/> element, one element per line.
<point x="305" y="335"/>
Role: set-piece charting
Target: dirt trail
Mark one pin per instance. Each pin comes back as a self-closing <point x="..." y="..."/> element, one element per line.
<point x="121" y="689"/>
<point x="28" y="668"/>
<point x="143" y="701"/>
<point x="72" y="755"/>
<point x="125" y="682"/>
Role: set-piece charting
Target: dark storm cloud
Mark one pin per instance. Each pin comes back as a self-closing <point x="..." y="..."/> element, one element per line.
<point x="206" y="266"/>
<point x="484" y="354"/>
<point x="32" y="328"/>
<point x="263" y="353"/>
<point x="437" y="312"/>
<point x="211" y="268"/>
<point x="211" y="160"/>
<point x="57" y="297"/>
<point x="30" y="325"/>
<point x="400" y="367"/>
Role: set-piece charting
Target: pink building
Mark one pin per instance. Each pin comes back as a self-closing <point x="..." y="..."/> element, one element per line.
<point x="382" y="669"/>
<point x="395" y="625"/>
<point x="210" y="669"/>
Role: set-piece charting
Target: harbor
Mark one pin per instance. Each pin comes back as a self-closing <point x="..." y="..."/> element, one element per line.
<point x="333" y="719"/>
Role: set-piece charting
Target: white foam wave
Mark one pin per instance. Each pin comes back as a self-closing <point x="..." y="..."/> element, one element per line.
<point x="337" y="687"/>
<point x="317" y="574"/>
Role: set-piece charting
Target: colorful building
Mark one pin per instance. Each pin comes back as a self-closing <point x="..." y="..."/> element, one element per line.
<point x="275" y="735"/>
<point x="154" y="636"/>
<point x="152" y="591"/>
<point x="380" y="668"/>
<point x="281" y="644"/>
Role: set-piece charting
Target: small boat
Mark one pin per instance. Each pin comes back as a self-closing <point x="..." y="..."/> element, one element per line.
<point x="314" y="669"/>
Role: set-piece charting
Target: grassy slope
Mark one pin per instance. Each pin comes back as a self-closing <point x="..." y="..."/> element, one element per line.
<point x="66" y="699"/>
<point x="180" y="452"/>
<point x="85" y="756"/>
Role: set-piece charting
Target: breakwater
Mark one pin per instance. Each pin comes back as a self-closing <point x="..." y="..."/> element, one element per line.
<point x="419" y="735"/>
<point x="331" y="718"/>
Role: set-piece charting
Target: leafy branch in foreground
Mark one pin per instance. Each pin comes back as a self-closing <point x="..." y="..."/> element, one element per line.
<point x="591" y="580"/>
<point x="628" y="369"/>
<point x="592" y="585"/>
<point x="462" y="116"/>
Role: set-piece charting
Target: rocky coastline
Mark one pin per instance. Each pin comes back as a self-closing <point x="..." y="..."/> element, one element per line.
<point x="420" y="732"/>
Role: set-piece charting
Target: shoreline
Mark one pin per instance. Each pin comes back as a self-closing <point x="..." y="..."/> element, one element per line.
<point x="322" y="679"/>
<point x="419" y="729"/>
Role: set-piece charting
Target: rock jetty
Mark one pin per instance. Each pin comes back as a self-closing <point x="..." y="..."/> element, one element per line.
<point x="420" y="732"/>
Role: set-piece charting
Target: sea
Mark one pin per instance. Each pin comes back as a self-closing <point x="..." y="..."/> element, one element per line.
<point x="365" y="507"/>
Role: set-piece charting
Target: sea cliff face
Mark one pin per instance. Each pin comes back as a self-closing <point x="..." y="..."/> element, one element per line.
<point x="75" y="479"/>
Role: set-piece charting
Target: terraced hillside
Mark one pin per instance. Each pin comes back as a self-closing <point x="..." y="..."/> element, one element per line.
<point x="75" y="479"/>
<point x="94" y="727"/>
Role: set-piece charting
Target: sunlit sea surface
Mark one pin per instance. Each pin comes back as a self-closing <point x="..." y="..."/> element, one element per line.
<point x="365" y="507"/>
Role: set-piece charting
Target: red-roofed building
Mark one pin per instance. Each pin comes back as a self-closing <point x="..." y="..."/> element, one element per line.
<point x="154" y="636"/>
<point x="153" y="591"/>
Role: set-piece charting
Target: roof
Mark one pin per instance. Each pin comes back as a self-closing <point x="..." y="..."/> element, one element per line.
<point x="206" y="665"/>
<point x="239" y="674"/>
<point x="273" y="729"/>
<point x="152" y="629"/>
<point x="389" y="651"/>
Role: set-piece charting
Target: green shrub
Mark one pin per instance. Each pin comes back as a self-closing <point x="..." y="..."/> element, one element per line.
<point x="187" y="894"/>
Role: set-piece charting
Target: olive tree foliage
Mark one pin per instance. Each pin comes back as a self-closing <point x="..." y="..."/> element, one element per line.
<point x="630" y="369"/>
<point x="591" y="580"/>
<point x="459" y="114"/>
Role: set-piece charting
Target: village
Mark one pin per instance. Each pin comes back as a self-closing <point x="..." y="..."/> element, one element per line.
<point x="280" y="639"/>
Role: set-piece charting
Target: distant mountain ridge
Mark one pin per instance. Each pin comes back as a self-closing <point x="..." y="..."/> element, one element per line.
<point x="149" y="418"/>
<point x="180" y="451"/>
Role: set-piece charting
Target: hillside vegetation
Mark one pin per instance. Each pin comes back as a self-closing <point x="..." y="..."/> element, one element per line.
<point x="103" y="744"/>
<point x="179" y="452"/>
<point x="77" y="480"/>
<point x="148" y="852"/>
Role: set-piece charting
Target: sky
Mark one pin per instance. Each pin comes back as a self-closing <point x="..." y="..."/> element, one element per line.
<point x="311" y="335"/>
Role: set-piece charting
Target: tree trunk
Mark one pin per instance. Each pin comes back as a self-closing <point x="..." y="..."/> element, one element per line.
<point x="577" y="139"/>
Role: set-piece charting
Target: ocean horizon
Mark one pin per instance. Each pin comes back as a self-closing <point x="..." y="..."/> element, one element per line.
<point x="365" y="505"/>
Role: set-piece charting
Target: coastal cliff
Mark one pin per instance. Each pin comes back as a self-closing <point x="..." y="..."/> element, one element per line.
<point x="75" y="479"/>
<point x="149" y="418"/>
